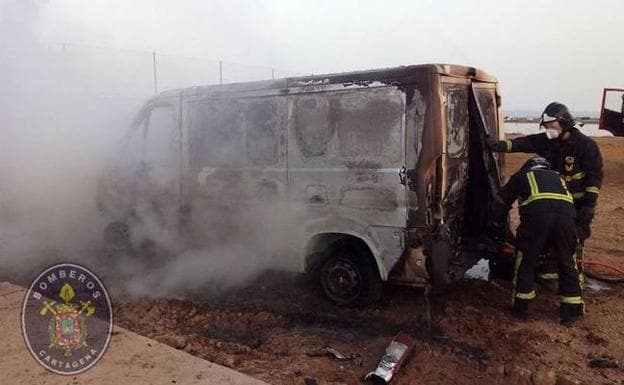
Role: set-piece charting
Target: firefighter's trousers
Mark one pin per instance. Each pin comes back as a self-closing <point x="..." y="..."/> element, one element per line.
<point x="557" y="233"/>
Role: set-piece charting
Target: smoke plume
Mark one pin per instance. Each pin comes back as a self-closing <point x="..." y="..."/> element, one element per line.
<point x="65" y="111"/>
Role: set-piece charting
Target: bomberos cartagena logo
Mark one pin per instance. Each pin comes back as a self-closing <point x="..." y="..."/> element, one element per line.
<point x="67" y="319"/>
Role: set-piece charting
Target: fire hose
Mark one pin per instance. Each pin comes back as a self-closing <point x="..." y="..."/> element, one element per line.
<point x="508" y="249"/>
<point x="608" y="279"/>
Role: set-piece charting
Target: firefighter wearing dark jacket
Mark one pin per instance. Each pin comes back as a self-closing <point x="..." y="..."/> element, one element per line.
<point x="547" y="222"/>
<point x="576" y="156"/>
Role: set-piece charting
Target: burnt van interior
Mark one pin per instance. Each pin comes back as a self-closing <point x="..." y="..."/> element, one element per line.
<point x="483" y="180"/>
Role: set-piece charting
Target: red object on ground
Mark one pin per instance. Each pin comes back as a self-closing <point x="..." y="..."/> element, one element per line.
<point x="603" y="264"/>
<point x="395" y="355"/>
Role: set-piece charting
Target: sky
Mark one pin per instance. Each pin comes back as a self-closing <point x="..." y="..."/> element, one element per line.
<point x="565" y="50"/>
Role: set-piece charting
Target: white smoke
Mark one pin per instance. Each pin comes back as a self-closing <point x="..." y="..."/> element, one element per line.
<point x="64" y="111"/>
<point x="57" y="138"/>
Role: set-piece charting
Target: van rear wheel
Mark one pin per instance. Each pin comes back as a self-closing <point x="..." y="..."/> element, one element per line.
<point x="350" y="277"/>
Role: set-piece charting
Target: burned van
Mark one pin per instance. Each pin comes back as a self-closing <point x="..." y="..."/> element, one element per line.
<point x="365" y="177"/>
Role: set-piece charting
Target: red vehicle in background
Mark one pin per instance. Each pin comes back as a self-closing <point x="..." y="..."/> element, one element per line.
<point x="612" y="111"/>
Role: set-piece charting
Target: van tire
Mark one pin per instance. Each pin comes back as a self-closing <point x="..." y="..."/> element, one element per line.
<point x="349" y="277"/>
<point x="116" y="236"/>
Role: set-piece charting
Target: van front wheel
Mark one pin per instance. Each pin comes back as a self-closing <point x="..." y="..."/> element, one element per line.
<point x="116" y="236"/>
<point x="350" y="277"/>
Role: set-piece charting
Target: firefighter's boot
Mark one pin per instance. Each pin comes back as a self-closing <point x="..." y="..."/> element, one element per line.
<point x="521" y="308"/>
<point x="571" y="312"/>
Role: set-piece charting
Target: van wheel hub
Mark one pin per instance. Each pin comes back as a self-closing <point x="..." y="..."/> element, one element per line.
<point x="343" y="279"/>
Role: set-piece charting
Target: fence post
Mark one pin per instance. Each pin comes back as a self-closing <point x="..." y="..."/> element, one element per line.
<point x="220" y="72"/>
<point x="155" y="76"/>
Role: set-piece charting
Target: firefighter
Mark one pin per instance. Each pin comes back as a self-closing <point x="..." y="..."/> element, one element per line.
<point x="547" y="221"/>
<point x="576" y="157"/>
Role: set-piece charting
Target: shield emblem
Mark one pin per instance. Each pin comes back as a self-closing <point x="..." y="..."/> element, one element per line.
<point x="569" y="163"/>
<point x="67" y="329"/>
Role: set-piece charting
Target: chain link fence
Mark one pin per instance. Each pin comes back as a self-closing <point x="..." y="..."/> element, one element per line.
<point x="89" y="90"/>
<point x="124" y="73"/>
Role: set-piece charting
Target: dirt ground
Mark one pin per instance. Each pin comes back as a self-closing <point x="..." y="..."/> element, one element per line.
<point x="268" y="329"/>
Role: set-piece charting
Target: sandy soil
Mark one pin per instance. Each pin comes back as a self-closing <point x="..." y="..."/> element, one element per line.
<point x="267" y="330"/>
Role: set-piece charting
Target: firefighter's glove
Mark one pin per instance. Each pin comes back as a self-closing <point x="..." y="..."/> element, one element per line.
<point x="586" y="214"/>
<point x="584" y="218"/>
<point x="496" y="145"/>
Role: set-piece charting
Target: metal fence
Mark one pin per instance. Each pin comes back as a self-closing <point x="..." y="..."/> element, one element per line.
<point x="92" y="88"/>
<point x="126" y="73"/>
<point x="64" y="92"/>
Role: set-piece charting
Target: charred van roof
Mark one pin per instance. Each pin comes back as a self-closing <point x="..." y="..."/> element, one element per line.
<point x="397" y="76"/>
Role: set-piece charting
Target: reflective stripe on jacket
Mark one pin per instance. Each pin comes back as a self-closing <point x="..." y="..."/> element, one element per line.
<point x="547" y="189"/>
<point x="539" y="192"/>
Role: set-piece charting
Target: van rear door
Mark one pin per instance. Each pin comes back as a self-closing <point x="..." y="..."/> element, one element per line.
<point x="456" y="119"/>
<point x="484" y="166"/>
<point x="471" y="173"/>
<point x="487" y="106"/>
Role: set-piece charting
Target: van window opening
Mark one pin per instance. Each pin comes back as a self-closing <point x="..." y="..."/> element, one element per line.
<point x="456" y="119"/>
<point x="159" y="141"/>
<point x="363" y="122"/>
<point x="216" y="136"/>
<point x="262" y="123"/>
<point x="487" y="105"/>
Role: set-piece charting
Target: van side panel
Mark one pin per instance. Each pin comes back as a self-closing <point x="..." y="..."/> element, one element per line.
<point x="345" y="154"/>
<point x="236" y="171"/>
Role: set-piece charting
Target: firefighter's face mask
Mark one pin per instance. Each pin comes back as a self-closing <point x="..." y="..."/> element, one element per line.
<point x="552" y="126"/>
<point x="552" y="133"/>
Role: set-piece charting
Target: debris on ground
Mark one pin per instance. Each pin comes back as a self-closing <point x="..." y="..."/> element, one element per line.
<point x="394" y="357"/>
<point x="603" y="361"/>
<point x="481" y="270"/>
<point x="331" y="352"/>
